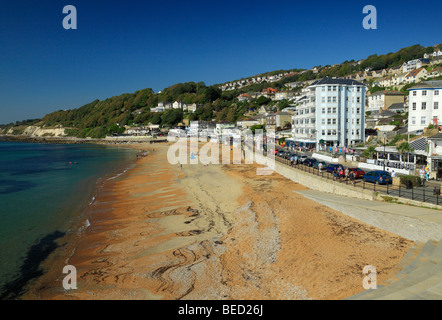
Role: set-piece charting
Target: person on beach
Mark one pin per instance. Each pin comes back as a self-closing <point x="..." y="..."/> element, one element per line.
<point x="346" y="173"/>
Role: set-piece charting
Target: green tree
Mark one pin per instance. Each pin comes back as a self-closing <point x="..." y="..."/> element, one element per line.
<point x="370" y="152"/>
<point x="404" y="148"/>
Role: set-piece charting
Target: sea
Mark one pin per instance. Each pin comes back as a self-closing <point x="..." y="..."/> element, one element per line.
<point x="45" y="190"/>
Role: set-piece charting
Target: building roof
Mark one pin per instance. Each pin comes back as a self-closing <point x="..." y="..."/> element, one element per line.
<point x="437" y="136"/>
<point x="388" y="93"/>
<point x="414" y="73"/>
<point x="396" y="106"/>
<point x="428" y="84"/>
<point x="328" y="80"/>
<point x="419" y="144"/>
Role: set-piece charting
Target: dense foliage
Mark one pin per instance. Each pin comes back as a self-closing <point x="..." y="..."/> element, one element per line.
<point x="100" y="118"/>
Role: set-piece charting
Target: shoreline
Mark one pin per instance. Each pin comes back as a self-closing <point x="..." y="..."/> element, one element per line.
<point x="74" y="140"/>
<point x="219" y="232"/>
<point x="63" y="245"/>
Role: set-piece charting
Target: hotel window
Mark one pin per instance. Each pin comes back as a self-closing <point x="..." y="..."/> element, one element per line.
<point x="358" y="111"/>
<point x="329" y="99"/>
<point x="413" y="120"/>
<point x="414" y="93"/>
<point x="436" y="92"/>
<point x="323" y="121"/>
<point x="323" y="132"/>
<point x="334" y="110"/>
<point x="424" y="92"/>
<point x="423" y="120"/>
<point x="329" y="88"/>
<point x="424" y="106"/>
<point x="334" y="88"/>
<point x="334" y="99"/>
<point x="358" y="121"/>
<point x="414" y="105"/>
<point x="436" y="105"/>
<point x="323" y="110"/>
<point x="358" y="89"/>
<point x="358" y="100"/>
<point x="323" y="99"/>
<point x="334" y="121"/>
<point x="329" y="121"/>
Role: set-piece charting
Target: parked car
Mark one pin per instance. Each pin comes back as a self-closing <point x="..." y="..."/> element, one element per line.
<point x="309" y="162"/>
<point x="289" y="155"/>
<point x="359" y="173"/>
<point x="378" y="177"/>
<point x="316" y="164"/>
<point x="331" y="167"/>
<point x="280" y="153"/>
<point x="302" y="158"/>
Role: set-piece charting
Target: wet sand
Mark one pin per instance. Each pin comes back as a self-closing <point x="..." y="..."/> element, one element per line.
<point x="217" y="232"/>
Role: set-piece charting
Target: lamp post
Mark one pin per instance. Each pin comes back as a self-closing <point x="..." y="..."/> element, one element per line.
<point x="384" y="149"/>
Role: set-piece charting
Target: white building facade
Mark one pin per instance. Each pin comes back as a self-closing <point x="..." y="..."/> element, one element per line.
<point x="334" y="112"/>
<point x="425" y="105"/>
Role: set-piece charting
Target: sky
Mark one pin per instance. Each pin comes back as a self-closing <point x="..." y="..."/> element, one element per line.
<point x="124" y="46"/>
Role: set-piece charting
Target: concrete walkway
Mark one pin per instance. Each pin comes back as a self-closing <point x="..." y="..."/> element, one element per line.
<point x="414" y="223"/>
<point x="420" y="277"/>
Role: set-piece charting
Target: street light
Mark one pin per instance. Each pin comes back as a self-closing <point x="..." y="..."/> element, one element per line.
<point x="384" y="149"/>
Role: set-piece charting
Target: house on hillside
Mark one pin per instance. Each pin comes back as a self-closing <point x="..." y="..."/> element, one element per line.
<point x="192" y="107"/>
<point x="179" y="105"/>
<point x="282" y="119"/>
<point x="246" y="123"/>
<point x="165" y="104"/>
<point x="382" y="100"/>
<point x="436" y="72"/>
<point x="244" y="97"/>
<point x="414" y="64"/>
<point x="416" y="75"/>
<point x="425" y="105"/>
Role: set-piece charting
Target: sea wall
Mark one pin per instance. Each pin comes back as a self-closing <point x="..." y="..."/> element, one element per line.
<point x="316" y="182"/>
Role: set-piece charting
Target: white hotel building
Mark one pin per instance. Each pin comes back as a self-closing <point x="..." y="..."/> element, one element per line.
<point x="333" y="110"/>
<point x="425" y="105"/>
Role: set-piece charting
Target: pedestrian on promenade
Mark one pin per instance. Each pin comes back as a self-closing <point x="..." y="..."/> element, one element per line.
<point x="422" y="174"/>
<point x="352" y="177"/>
<point x="346" y="173"/>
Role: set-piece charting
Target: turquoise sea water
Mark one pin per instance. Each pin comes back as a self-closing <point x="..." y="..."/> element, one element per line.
<point x="44" y="189"/>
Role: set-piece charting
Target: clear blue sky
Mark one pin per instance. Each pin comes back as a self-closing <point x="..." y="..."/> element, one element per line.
<point x="124" y="46"/>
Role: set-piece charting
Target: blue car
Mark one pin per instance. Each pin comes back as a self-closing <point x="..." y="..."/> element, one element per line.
<point x="331" y="167"/>
<point x="378" y="177"/>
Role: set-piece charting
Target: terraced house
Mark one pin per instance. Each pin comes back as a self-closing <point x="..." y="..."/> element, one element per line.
<point x="333" y="114"/>
<point x="425" y="105"/>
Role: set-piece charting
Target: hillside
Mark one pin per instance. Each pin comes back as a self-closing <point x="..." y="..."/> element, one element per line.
<point x="100" y="118"/>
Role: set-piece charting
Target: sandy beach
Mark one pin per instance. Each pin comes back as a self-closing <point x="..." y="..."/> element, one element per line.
<point x="160" y="231"/>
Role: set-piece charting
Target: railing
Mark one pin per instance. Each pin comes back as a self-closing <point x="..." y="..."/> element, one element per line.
<point x="417" y="193"/>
